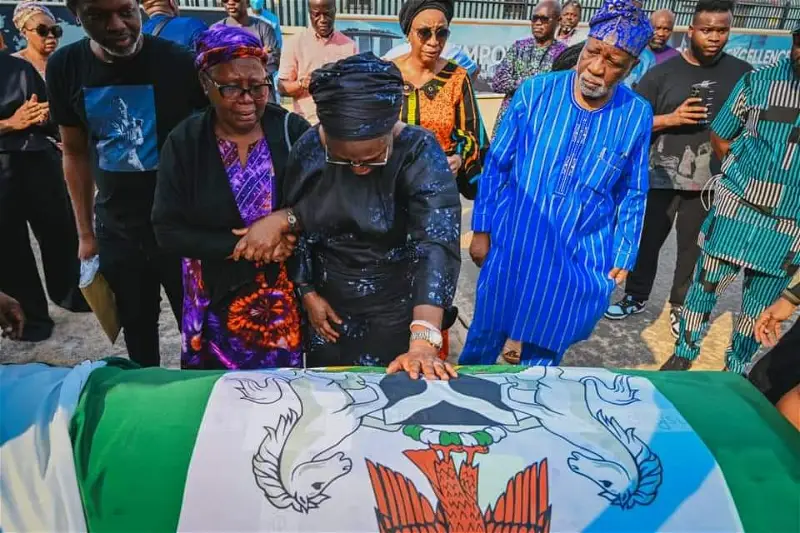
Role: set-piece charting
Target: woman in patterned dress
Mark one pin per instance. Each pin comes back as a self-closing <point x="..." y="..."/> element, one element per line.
<point x="219" y="175"/>
<point x="438" y="93"/>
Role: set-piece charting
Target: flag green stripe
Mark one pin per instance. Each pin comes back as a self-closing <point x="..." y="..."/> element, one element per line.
<point x="760" y="459"/>
<point x="139" y="488"/>
<point x="132" y="463"/>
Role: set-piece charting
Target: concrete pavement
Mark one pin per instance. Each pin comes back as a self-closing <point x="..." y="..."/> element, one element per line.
<point x="642" y="341"/>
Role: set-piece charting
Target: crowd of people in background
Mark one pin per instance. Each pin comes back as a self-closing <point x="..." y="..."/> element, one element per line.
<point x="330" y="235"/>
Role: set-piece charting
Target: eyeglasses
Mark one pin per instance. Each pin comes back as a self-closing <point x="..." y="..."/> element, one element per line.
<point x="357" y="164"/>
<point x="544" y="19"/>
<point x="259" y="91"/>
<point x="425" y="34"/>
<point x="43" y="30"/>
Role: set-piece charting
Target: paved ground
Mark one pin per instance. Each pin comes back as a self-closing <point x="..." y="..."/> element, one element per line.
<point x="643" y="341"/>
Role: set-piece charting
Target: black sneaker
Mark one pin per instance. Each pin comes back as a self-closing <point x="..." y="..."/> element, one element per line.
<point x="624" y="308"/>
<point x="675" y="320"/>
<point x="676" y="363"/>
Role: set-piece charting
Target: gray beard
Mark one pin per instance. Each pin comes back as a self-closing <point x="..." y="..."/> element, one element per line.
<point x="128" y="52"/>
<point x="592" y="94"/>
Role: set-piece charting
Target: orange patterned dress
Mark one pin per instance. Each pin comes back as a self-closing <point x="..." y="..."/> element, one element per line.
<point x="446" y="106"/>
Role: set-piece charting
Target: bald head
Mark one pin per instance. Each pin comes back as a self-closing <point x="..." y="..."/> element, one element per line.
<point x="663" y="22"/>
<point x="550" y="6"/>
<point x="323" y="16"/>
<point x="544" y="21"/>
<point x="151" y="7"/>
<point x="312" y="4"/>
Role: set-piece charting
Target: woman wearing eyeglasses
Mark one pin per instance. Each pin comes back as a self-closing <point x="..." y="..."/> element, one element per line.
<point x="438" y="93"/>
<point x="38" y="25"/>
<point x="530" y="56"/>
<point x="218" y="180"/>
<point x="378" y="215"/>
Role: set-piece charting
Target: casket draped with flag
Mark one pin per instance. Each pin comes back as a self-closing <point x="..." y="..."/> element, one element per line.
<point x="104" y="448"/>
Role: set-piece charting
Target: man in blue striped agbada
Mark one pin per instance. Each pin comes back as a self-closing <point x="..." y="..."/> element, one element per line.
<point x="561" y="200"/>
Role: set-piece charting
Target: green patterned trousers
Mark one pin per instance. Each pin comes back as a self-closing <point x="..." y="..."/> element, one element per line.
<point x="711" y="277"/>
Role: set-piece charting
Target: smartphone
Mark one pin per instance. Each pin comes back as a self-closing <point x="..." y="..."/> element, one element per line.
<point x="706" y="94"/>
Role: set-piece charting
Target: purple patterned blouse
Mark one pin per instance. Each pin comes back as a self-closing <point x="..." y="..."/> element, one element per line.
<point x="259" y="327"/>
<point x="524" y="59"/>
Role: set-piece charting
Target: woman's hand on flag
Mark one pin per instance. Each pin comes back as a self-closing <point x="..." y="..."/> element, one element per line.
<point x="422" y="359"/>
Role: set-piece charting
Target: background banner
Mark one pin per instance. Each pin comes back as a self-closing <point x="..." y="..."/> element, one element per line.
<point x="485" y="42"/>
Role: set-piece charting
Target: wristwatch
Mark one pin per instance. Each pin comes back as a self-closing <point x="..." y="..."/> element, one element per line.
<point x="431" y="336"/>
<point x="291" y="218"/>
<point x="303" y="290"/>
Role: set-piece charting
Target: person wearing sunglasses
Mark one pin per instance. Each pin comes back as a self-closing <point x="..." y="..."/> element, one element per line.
<point x="33" y="192"/>
<point x="219" y="176"/>
<point x="438" y="93"/>
<point x="529" y="56"/>
<point x="377" y="215"/>
<point x="37" y="25"/>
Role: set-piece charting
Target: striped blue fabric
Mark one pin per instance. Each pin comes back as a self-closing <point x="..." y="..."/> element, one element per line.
<point x="563" y="196"/>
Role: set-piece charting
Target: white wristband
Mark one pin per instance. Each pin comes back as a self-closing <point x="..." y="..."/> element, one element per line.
<point x="425" y="324"/>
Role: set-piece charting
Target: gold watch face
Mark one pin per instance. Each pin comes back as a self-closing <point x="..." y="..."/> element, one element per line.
<point x="433" y="338"/>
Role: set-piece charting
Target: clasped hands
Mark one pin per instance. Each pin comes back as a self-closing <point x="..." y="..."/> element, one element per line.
<point x="268" y="240"/>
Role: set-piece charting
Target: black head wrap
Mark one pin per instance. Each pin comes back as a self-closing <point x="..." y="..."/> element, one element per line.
<point x="411" y="9"/>
<point x="359" y="97"/>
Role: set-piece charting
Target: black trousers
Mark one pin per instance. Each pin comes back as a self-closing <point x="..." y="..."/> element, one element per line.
<point x="665" y="207"/>
<point x="778" y="371"/>
<point x="136" y="269"/>
<point x="32" y="190"/>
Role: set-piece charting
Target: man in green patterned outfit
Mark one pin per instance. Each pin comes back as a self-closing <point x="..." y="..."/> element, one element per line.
<point x="754" y="224"/>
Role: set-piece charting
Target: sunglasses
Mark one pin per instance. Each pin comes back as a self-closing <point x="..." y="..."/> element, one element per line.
<point x="258" y="91"/>
<point x="544" y="19"/>
<point x="357" y="164"/>
<point x="796" y="39"/>
<point x="43" y="30"/>
<point x="425" y="34"/>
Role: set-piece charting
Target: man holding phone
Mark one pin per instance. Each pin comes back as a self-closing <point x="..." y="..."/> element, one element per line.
<point x="686" y="92"/>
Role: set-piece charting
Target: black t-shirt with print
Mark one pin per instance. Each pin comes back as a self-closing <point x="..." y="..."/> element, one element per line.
<point x="681" y="158"/>
<point x="128" y="108"/>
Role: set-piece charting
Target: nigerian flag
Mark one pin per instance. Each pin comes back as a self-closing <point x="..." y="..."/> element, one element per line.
<point x="109" y="449"/>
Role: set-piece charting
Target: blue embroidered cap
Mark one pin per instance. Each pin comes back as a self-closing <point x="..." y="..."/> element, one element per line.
<point x="622" y="24"/>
